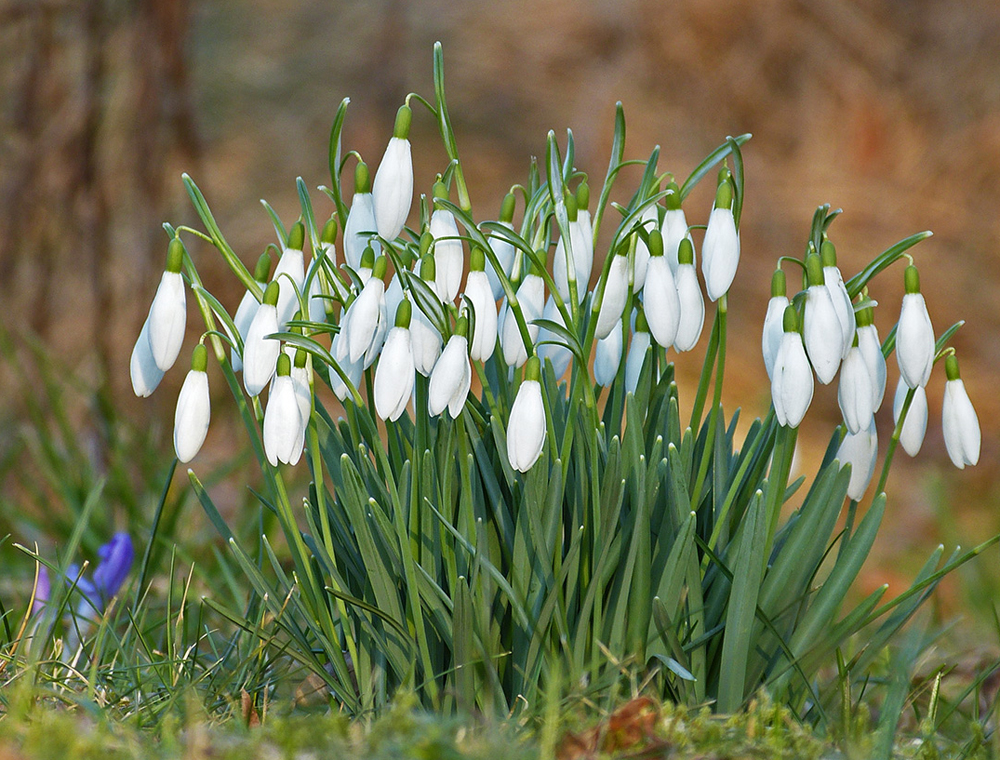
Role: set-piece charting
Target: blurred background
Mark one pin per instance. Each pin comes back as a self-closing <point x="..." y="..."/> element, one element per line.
<point x="889" y="109"/>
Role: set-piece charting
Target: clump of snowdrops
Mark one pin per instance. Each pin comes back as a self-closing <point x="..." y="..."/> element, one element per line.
<point x="509" y="505"/>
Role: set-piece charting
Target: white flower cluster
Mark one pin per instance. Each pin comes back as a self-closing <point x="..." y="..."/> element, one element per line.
<point x="835" y="334"/>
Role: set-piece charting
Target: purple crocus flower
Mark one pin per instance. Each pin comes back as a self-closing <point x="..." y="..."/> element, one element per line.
<point x="115" y="563"/>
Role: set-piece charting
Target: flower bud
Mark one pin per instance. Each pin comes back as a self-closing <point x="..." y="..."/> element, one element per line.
<point x="448" y="253"/>
<point x="962" y="436"/>
<point x="771" y="338"/>
<point x="142" y="367"/>
<point x="855" y="391"/>
<point x="452" y="376"/>
<point x="168" y="312"/>
<point x="914" y="334"/>
<point x="360" y="225"/>
<point x="395" y="372"/>
<point x="290" y="274"/>
<point x="608" y="356"/>
<point x="193" y="412"/>
<point x="871" y="350"/>
<point x="660" y="299"/>
<point x="720" y="255"/>
<point x="526" y="426"/>
<point x="479" y="294"/>
<point x="284" y="430"/>
<point x="615" y="295"/>
<point x="821" y="328"/>
<point x="638" y="350"/>
<point x="792" y="383"/>
<point x="393" y="189"/>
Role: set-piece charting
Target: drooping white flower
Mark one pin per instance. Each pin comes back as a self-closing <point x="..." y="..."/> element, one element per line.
<point x="962" y="436"/>
<point x="479" y="294"/>
<point x="792" y="383"/>
<point x="364" y="313"/>
<point x="660" y="299"/>
<point x="425" y="341"/>
<point x="855" y="392"/>
<point x="692" y="303"/>
<point x="290" y="274"/>
<point x="773" y="322"/>
<point x="651" y="221"/>
<point x="675" y="228"/>
<point x="260" y="353"/>
<point x="608" y="356"/>
<point x="860" y="450"/>
<point x="394" y="294"/>
<point x="720" y="253"/>
<point x="821" y="327"/>
<point x="393" y="188"/>
<point x="452" y="376"/>
<point x="526" y="426"/>
<point x="448" y="253"/>
<point x="871" y="350"/>
<point x="300" y="382"/>
<point x="531" y="297"/>
<point x="550" y="345"/>
<point x="615" y="295"/>
<point x="360" y="225"/>
<point x="248" y="308"/>
<point x="915" y="425"/>
<point x="395" y="372"/>
<point x="142" y="367"/>
<point x="353" y="370"/>
<point x="834" y="282"/>
<point x="914" y="334"/>
<point x="378" y="340"/>
<point x="582" y="254"/>
<point x="637" y="351"/>
<point x="194" y="410"/>
<point x="168" y="312"/>
<point x="284" y="429"/>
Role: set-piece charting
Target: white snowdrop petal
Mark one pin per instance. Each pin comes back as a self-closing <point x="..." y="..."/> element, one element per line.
<point x="192" y="416"/>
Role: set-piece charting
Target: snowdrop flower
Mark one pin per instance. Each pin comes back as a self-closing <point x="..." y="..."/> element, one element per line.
<point x="452" y="375"/>
<point x="194" y="409"/>
<point x="260" y="353"/>
<point x="364" y="270"/>
<point x="168" y="312"/>
<point x="842" y="303"/>
<point x="526" y="427"/>
<point x="692" y="304"/>
<point x="425" y="339"/>
<point x="142" y="367"/>
<point x="364" y="313"/>
<point x="773" y="330"/>
<point x="660" y="298"/>
<point x="393" y="188"/>
<point x="821" y="327"/>
<point x="531" y="297"/>
<point x="914" y="334"/>
<point x="608" y="356"/>
<point x="394" y="294"/>
<point x="860" y="450"/>
<point x="353" y="370"/>
<point x="479" y="295"/>
<point x="792" y="384"/>
<point x="316" y="277"/>
<point x="651" y="221"/>
<point x="585" y="227"/>
<point x="360" y="226"/>
<point x="284" y="430"/>
<point x="300" y="382"/>
<point x="915" y="424"/>
<point x="290" y="274"/>
<point x="248" y="307"/>
<point x="855" y="392"/>
<point x="502" y="248"/>
<point x="637" y="351"/>
<point x="962" y="436"/>
<point x="395" y="371"/>
<point x="615" y="295"/>
<point x="448" y="253"/>
<point x="550" y="345"/>
<point x="720" y="254"/>
<point x="581" y="243"/>
<point x="675" y="228"/>
<point x="871" y="350"/>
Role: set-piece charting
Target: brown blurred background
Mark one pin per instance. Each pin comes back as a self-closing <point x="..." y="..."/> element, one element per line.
<point x="889" y="109"/>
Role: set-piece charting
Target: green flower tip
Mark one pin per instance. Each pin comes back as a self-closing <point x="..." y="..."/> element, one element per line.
<point x="428" y="268"/>
<point x="362" y="179"/>
<point x="685" y="251"/>
<point x="951" y="367"/>
<point x="790" y="319"/>
<point x="296" y="236"/>
<point x="199" y="358"/>
<point x="866" y="317"/>
<point x="724" y="195"/>
<point x="462" y="326"/>
<point x="911" y="278"/>
<point x="538" y="267"/>
<point x="284" y="365"/>
<point x="297" y="317"/>
<point x="403" y="313"/>
<point x="533" y="369"/>
<point x="778" y="284"/>
<point x="828" y="253"/>
<point x="368" y="257"/>
<point x="426" y="241"/>
<point x="724" y="174"/>
<point x="507" y="208"/>
<point x="655" y="243"/>
<point x="403" y="118"/>
<point x="477" y="259"/>
<point x="263" y="268"/>
<point x="641" y="325"/>
<point x="673" y="199"/>
<point x="572" y="210"/>
<point x="271" y="294"/>
<point x="329" y="235"/>
<point x="582" y="196"/>
<point x="814" y="269"/>
<point x="440" y="190"/>
<point x="300" y="358"/>
<point x="175" y="256"/>
<point x="378" y="271"/>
